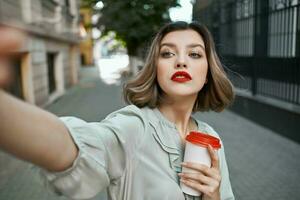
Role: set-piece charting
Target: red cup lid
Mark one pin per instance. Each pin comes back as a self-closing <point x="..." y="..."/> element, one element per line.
<point x="203" y="139"/>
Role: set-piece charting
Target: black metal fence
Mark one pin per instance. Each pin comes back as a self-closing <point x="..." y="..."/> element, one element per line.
<point x="272" y="77"/>
<point x="260" y="40"/>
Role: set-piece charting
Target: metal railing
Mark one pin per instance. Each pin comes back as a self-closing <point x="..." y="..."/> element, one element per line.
<point x="259" y="40"/>
<point x="271" y="77"/>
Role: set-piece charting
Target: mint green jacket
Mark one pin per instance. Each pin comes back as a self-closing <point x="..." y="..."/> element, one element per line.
<point x="134" y="154"/>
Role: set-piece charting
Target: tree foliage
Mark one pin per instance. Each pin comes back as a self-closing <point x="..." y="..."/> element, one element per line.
<point x="134" y="21"/>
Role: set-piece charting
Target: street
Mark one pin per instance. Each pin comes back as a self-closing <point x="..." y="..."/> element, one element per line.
<point x="262" y="164"/>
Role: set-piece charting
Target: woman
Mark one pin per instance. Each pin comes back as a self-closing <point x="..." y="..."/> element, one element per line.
<point x="136" y="152"/>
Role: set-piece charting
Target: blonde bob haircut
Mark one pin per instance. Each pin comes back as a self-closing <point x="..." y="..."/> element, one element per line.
<point x="144" y="90"/>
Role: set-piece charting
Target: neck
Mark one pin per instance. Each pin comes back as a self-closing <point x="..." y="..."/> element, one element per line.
<point x="179" y="112"/>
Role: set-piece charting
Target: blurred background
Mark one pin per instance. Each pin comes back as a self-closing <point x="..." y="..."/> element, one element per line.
<point x="78" y="53"/>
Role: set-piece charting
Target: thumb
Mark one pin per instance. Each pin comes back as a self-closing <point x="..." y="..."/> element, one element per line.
<point x="10" y="40"/>
<point x="214" y="157"/>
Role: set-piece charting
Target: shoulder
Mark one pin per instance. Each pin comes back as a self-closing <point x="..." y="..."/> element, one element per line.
<point x="206" y="128"/>
<point x="128" y="118"/>
<point x="129" y="125"/>
<point x="130" y="112"/>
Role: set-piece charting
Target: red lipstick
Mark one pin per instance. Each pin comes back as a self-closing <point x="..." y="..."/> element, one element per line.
<point x="181" y="76"/>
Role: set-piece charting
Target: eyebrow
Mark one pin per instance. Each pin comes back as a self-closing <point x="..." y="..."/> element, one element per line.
<point x="190" y="45"/>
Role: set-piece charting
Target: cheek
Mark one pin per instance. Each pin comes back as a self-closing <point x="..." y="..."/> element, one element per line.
<point x="160" y="77"/>
<point x="201" y="73"/>
<point x="162" y="70"/>
<point x="203" y="69"/>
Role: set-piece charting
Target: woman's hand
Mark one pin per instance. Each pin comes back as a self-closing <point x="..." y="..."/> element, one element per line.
<point x="26" y="131"/>
<point x="5" y="74"/>
<point x="10" y="41"/>
<point x="207" y="180"/>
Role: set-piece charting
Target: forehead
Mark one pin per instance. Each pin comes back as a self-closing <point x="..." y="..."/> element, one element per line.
<point x="183" y="37"/>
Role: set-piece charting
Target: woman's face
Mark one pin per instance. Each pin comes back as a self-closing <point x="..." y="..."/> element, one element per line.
<point x="182" y="64"/>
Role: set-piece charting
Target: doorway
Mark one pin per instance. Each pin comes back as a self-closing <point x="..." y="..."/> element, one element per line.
<point x="51" y="72"/>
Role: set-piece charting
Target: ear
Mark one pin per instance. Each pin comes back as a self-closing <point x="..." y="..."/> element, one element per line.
<point x="206" y="80"/>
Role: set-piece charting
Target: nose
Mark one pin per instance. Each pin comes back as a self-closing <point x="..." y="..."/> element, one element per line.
<point x="179" y="65"/>
<point x="181" y="62"/>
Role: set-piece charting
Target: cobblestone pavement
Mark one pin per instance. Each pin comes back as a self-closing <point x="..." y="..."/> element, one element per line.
<point x="262" y="164"/>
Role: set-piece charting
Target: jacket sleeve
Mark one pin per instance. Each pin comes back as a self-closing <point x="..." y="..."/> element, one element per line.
<point x="104" y="149"/>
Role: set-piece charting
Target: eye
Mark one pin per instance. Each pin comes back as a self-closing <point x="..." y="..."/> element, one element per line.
<point x="167" y="54"/>
<point x="195" y="55"/>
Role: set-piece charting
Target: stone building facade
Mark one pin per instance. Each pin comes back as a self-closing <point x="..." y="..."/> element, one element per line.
<point x="48" y="62"/>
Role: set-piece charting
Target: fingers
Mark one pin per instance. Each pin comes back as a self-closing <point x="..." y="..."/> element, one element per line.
<point x="5" y="73"/>
<point x="10" y="40"/>
<point x="205" y="179"/>
<point x="205" y="189"/>
<point x="212" y="172"/>
<point x="203" y="174"/>
<point x="208" y="183"/>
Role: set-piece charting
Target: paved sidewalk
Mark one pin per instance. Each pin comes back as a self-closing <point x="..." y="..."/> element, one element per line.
<point x="263" y="165"/>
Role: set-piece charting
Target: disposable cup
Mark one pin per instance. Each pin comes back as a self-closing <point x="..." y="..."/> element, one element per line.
<point x="196" y="152"/>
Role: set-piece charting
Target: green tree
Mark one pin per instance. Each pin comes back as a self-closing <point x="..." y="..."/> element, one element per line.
<point x="134" y="21"/>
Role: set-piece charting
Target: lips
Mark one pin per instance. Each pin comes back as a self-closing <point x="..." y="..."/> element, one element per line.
<point x="181" y="76"/>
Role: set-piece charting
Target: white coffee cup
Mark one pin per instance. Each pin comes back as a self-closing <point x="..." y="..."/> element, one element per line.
<point x="196" y="152"/>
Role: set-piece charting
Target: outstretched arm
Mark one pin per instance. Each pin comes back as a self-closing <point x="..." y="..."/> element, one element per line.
<point x="27" y="131"/>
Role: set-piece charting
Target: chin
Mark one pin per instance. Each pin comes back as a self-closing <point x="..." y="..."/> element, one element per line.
<point x="179" y="93"/>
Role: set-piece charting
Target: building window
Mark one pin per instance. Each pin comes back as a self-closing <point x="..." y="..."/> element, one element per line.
<point x="51" y="72"/>
<point x="244" y="28"/>
<point x="16" y="88"/>
<point x="237" y="27"/>
<point x="282" y="28"/>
